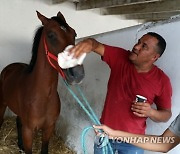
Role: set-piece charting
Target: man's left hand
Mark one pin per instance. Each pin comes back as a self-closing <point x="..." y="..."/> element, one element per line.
<point x="141" y="109"/>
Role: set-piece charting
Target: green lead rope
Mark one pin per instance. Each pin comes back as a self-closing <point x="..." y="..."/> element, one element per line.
<point x="103" y="141"/>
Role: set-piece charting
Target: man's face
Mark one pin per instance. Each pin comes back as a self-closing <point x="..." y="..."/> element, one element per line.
<point x="145" y="50"/>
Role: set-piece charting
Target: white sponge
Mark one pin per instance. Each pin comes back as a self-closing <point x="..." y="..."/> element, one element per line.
<point x="67" y="61"/>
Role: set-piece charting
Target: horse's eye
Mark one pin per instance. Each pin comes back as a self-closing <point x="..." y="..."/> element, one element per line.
<point x="51" y="35"/>
<point x="63" y="28"/>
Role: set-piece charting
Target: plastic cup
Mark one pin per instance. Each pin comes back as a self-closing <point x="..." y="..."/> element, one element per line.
<point x="140" y="98"/>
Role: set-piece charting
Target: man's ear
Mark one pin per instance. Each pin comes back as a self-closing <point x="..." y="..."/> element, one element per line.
<point x="156" y="57"/>
<point x="41" y="17"/>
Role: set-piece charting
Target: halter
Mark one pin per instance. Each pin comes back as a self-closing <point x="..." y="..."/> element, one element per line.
<point x="53" y="57"/>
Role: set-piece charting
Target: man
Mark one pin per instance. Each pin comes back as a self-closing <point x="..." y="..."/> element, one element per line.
<point x="163" y="143"/>
<point x="132" y="73"/>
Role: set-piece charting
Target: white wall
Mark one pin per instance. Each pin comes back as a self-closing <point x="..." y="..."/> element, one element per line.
<point x="73" y="119"/>
<point x="18" y="23"/>
<point x="18" y="18"/>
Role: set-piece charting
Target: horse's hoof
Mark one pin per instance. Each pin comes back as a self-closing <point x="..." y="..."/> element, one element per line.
<point x="21" y="147"/>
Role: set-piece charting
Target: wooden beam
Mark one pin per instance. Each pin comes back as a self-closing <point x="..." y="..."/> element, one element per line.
<point x="91" y="4"/>
<point x="152" y="16"/>
<point x="165" y="5"/>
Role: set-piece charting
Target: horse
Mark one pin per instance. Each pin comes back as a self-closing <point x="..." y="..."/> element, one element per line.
<point x="30" y="90"/>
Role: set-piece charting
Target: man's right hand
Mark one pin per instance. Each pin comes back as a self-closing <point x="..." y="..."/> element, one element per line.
<point x="86" y="46"/>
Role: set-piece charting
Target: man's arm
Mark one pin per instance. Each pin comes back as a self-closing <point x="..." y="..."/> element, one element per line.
<point x="160" y="115"/>
<point x="87" y="46"/>
<point x="163" y="143"/>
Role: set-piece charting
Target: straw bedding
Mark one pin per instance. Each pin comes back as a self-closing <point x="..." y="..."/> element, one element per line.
<point x="8" y="140"/>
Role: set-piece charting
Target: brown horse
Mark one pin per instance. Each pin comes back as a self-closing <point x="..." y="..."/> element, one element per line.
<point x="30" y="91"/>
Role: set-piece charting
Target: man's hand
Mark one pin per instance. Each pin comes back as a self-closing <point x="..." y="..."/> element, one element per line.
<point x="86" y="46"/>
<point x="106" y="130"/>
<point x="141" y="109"/>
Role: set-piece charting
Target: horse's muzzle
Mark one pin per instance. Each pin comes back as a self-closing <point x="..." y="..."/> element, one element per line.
<point x="74" y="75"/>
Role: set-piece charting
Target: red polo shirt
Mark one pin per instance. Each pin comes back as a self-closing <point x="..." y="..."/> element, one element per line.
<point x="123" y="86"/>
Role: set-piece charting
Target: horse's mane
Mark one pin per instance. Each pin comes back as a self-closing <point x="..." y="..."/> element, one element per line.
<point x="35" y="46"/>
<point x="36" y="41"/>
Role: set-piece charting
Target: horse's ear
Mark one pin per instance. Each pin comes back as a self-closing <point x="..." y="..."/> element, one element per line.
<point x="59" y="14"/>
<point x="43" y="19"/>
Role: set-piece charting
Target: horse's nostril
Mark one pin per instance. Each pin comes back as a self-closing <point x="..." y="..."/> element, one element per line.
<point x="69" y="72"/>
<point x="74" y="75"/>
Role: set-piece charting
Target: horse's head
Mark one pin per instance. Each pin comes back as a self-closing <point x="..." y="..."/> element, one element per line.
<point x="57" y="36"/>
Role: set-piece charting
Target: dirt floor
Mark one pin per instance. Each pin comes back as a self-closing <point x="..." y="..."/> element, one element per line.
<point x="8" y="141"/>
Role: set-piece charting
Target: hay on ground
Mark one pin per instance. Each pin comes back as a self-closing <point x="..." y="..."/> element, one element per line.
<point x="8" y="140"/>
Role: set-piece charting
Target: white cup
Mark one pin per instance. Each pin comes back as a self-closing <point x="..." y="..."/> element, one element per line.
<point x="140" y="98"/>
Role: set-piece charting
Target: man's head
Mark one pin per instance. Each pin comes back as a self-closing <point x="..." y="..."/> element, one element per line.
<point x="161" y="45"/>
<point x="148" y="49"/>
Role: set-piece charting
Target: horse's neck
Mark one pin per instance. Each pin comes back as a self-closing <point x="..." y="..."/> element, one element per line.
<point x="43" y="72"/>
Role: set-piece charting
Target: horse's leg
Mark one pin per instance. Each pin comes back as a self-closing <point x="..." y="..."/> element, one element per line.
<point x="2" y="106"/>
<point x="45" y="139"/>
<point x="27" y="136"/>
<point x="2" y="111"/>
<point x="19" y="132"/>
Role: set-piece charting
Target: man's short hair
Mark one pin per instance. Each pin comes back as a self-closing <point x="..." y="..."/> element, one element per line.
<point x="161" y="42"/>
